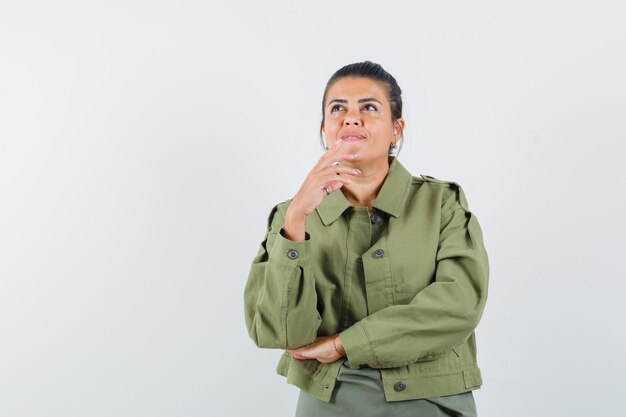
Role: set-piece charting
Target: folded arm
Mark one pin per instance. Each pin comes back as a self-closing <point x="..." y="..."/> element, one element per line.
<point x="280" y="301"/>
<point x="442" y="315"/>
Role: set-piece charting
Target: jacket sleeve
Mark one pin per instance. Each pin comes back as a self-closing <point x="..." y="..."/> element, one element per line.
<point x="442" y="315"/>
<point x="280" y="301"/>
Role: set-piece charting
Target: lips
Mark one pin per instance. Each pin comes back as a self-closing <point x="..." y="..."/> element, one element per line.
<point x="348" y="136"/>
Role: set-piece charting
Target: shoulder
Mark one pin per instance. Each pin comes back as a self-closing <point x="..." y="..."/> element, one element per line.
<point x="283" y="206"/>
<point x="277" y="214"/>
<point x="429" y="179"/>
<point x="451" y="191"/>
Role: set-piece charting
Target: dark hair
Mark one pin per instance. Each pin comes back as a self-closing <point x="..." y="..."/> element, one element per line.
<point x="374" y="72"/>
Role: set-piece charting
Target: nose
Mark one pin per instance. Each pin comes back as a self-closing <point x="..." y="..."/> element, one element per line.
<point x="352" y="117"/>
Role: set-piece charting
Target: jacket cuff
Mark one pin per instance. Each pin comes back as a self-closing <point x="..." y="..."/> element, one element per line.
<point x="358" y="347"/>
<point x="290" y="253"/>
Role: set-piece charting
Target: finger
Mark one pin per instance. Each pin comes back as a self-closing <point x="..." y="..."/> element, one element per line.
<point x="333" y="186"/>
<point x="337" y="163"/>
<point x="336" y="177"/>
<point x="340" y="170"/>
<point x="299" y="352"/>
<point x="296" y="350"/>
<point x="327" y="158"/>
<point x="300" y="349"/>
<point x="336" y="160"/>
<point x="350" y="156"/>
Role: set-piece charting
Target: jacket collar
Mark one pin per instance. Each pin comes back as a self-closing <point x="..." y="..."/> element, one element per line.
<point x="390" y="198"/>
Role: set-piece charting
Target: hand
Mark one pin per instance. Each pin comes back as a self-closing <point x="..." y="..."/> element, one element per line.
<point x="322" y="349"/>
<point x="326" y="173"/>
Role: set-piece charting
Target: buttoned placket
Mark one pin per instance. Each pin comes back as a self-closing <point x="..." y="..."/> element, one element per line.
<point x="364" y="230"/>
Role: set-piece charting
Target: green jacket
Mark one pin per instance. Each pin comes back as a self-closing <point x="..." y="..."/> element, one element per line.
<point x="405" y="285"/>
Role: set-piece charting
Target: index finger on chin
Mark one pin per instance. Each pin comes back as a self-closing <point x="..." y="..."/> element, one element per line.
<point x="332" y="151"/>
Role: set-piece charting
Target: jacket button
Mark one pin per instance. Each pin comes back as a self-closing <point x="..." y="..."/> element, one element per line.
<point x="375" y="219"/>
<point x="400" y="386"/>
<point x="379" y="253"/>
<point x="293" y="254"/>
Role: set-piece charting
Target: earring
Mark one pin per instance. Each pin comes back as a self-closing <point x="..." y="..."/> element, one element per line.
<point x="324" y="142"/>
<point x="392" y="149"/>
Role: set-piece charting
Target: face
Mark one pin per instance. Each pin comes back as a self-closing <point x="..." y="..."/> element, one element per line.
<point x="357" y="111"/>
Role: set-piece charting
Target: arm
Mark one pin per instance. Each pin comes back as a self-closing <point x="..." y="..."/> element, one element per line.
<point x="280" y="301"/>
<point x="442" y="315"/>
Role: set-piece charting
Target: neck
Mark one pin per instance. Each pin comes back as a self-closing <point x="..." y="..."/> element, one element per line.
<point x="365" y="187"/>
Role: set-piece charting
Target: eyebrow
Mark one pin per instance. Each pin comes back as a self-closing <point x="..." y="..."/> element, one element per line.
<point x="363" y="100"/>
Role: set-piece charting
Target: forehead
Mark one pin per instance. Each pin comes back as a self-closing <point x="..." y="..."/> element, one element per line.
<point x="356" y="88"/>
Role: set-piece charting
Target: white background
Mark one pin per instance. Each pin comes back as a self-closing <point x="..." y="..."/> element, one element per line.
<point x="143" y="143"/>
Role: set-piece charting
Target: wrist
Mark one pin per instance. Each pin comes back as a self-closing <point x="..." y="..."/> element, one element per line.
<point x="338" y="345"/>
<point x="294" y="227"/>
<point x="294" y="217"/>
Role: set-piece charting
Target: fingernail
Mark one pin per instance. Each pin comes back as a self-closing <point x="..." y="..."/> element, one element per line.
<point x="358" y="171"/>
<point x="354" y="155"/>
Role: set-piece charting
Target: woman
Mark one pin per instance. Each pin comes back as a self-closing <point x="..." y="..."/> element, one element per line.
<point x="371" y="279"/>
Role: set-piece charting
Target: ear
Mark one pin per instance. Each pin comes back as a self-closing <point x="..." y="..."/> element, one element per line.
<point x="397" y="130"/>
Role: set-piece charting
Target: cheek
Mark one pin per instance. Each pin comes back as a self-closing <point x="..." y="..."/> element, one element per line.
<point x="378" y="131"/>
<point x="381" y="130"/>
<point x="331" y="128"/>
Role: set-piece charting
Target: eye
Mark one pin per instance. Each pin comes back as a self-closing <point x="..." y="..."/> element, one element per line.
<point x="370" y="105"/>
<point x="336" y="106"/>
